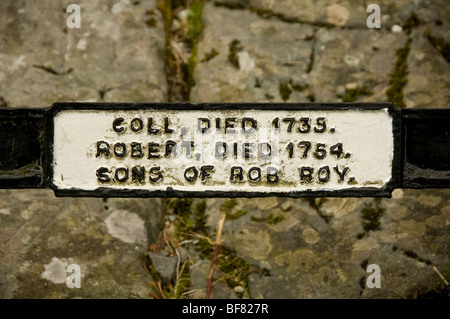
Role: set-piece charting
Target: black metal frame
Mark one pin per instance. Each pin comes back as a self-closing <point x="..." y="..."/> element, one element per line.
<point x="415" y="133"/>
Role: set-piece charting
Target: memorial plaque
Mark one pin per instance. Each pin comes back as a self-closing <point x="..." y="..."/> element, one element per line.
<point x="226" y="150"/>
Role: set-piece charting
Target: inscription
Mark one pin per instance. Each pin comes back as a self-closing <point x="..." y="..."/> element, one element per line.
<point x="223" y="150"/>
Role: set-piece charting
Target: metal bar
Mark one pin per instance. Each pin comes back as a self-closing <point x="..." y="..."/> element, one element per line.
<point x="22" y="150"/>
<point x="421" y="151"/>
<point x="426" y="148"/>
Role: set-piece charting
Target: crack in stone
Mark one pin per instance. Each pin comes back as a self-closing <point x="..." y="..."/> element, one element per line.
<point x="398" y="76"/>
<point x="268" y="13"/>
<point x="440" y="45"/>
<point x="50" y="70"/>
<point x="313" y="52"/>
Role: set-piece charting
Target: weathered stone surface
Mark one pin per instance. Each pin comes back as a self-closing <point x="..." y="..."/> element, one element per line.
<point x="428" y="79"/>
<point x="113" y="57"/>
<point x="353" y="60"/>
<point x="41" y="235"/>
<point x="116" y="55"/>
<point x="291" y="62"/>
<point x="308" y="257"/>
<point x="344" y="13"/>
<point x="270" y="53"/>
<point x="164" y="265"/>
<point x="320" y="248"/>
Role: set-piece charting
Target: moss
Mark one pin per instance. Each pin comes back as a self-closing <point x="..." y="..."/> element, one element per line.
<point x="413" y="255"/>
<point x="179" y="3"/>
<point x="200" y="217"/>
<point x="195" y="28"/>
<point x="371" y="217"/>
<point x="180" y="83"/>
<point x="271" y="219"/>
<point x="360" y="235"/>
<point x="150" y="20"/>
<point x="286" y="88"/>
<point x="210" y="55"/>
<point x="258" y="83"/>
<point x="362" y="283"/>
<point x="228" y="205"/>
<point x="190" y="219"/>
<point x="298" y="87"/>
<point x="195" y="24"/>
<point x="235" y="268"/>
<point x="277" y="219"/>
<point x="313" y="203"/>
<point x="364" y="264"/>
<point x="411" y="22"/>
<point x="311" y="97"/>
<point x="237" y="214"/>
<point x="352" y="95"/>
<point x="285" y="91"/>
<point x="3" y="103"/>
<point x="440" y="45"/>
<point x="398" y="76"/>
<point x="234" y="48"/>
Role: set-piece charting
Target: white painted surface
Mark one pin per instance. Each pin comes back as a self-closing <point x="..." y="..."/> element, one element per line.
<point x="366" y="135"/>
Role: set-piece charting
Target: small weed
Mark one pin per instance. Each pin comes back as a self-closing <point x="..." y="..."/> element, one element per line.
<point x="180" y="64"/>
<point x="172" y="290"/>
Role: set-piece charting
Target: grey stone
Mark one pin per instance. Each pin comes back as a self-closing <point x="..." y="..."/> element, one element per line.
<point x="113" y="57"/>
<point x="345" y="13"/>
<point x="273" y="53"/>
<point x="43" y="234"/>
<point x="199" y="276"/>
<point x="164" y="265"/>
<point x="428" y="71"/>
<point x="352" y="56"/>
